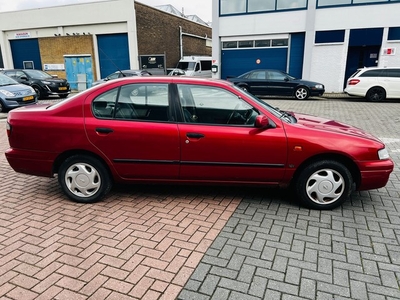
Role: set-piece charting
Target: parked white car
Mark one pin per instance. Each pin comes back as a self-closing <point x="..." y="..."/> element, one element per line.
<point x="375" y="84"/>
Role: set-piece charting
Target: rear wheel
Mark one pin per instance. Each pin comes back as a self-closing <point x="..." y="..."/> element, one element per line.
<point x="301" y="93"/>
<point x="376" y="94"/>
<point x="324" y="184"/>
<point x="84" y="179"/>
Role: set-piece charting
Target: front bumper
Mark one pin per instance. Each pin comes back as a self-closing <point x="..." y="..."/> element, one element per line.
<point x="375" y="175"/>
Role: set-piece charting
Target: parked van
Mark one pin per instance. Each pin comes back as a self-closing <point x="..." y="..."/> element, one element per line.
<point x="197" y="66"/>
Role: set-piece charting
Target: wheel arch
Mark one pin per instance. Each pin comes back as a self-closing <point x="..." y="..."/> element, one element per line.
<point x="63" y="156"/>
<point x="346" y="161"/>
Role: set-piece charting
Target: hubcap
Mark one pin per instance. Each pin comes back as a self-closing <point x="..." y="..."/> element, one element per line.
<point x="82" y="180"/>
<point x="301" y="94"/>
<point x="325" y="186"/>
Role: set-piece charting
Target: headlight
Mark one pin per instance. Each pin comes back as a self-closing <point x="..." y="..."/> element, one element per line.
<point x="46" y="82"/>
<point x="7" y="93"/>
<point x="319" y="86"/>
<point x="383" y="154"/>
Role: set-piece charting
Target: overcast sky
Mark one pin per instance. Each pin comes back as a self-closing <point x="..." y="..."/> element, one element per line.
<point x="201" y="8"/>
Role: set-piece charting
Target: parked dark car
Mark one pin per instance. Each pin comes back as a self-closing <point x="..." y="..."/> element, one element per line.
<point x="122" y="73"/>
<point x="43" y="83"/>
<point x="277" y="83"/>
<point x="193" y="131"/>
<point x="14" y="94"/>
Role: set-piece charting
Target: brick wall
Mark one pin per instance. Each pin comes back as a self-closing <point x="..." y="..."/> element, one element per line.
<point x="158" y="33"/>
<point x="53" y="49"/>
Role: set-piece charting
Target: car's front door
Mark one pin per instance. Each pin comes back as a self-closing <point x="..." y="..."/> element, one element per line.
<point x="131" y="127"/>
<point x="220" y="143"/>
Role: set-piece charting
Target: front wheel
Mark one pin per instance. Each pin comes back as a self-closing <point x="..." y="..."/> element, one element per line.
<point x="325" y="184"/>
<point x="376" y="94"/>
<point x="84" y="179"/>
<point x="38" y="92"/>
<point x="301" y="93"/>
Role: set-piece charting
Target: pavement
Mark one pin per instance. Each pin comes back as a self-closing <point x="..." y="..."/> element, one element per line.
<point x="184" y="242"/>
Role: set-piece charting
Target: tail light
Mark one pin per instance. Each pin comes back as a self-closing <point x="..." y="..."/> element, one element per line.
<point x="353" y="81"/>
<point x="8" y="128"/>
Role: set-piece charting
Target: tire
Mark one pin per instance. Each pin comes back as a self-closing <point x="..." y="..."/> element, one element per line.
<point x="2" y="109"/>
<point x="324" y="184"/>
<point x="84" y="179"/>
<point x="244" y="88"/>
<point x="38" y="92"/>
<point x="376" y="94"/>
<point x="301" y="93"/>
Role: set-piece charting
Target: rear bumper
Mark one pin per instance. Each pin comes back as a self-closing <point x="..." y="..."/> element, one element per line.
<point x="31" y="162"/>
<point x="375" y="175"/>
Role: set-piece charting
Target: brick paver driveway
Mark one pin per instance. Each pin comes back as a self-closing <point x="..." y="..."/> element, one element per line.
<point x="168" y="242"/>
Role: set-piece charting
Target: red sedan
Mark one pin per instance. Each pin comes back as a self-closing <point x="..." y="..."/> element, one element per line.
<point x="188" y="130"/>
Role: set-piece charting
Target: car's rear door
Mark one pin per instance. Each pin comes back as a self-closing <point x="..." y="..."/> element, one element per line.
<point x="391" y="79"/>
<point x="134" y="131"/>
<point x="220" y="143"/>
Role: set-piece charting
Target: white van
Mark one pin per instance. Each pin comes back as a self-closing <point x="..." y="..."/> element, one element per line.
<point x="197" y="66"/>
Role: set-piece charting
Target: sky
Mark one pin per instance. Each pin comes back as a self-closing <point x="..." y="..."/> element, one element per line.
<point x="201" y="8"/>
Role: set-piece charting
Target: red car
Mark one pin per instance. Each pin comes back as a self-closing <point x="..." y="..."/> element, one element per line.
<point x="191" y="130"/>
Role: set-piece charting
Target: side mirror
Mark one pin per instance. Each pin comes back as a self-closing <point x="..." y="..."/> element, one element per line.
<point x="262" y="121"/>
<point x="24" y="78"/>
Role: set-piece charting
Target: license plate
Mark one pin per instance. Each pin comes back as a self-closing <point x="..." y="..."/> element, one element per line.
<point x="63" y="88"/>
<point x="27" y="98"/>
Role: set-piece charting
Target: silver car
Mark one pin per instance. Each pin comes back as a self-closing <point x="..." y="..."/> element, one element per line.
<point x="14" y="94"/>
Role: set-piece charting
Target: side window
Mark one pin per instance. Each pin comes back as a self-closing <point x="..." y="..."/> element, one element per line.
<point x="393" y="73"/>
<point x="197" y="67"/>
<point x="103" y="105"/>
<point x="146" y="102"/>
<point x="205" y="65"/>
<point x="211" y="105"/>
<point x="276" y="75"/>
<point x="258" y="75"/>
<point x="19" y="74"/>
<point x="372" y="73"/>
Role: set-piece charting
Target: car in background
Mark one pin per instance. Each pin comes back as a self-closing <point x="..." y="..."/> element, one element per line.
<point x="193" y="131"/>
<point x="14" y="94"/>
<point x="266" y="82"/>
<point x="123" y="73"/>
<point x="42" y="82"/>
<point x="374" y="83"/>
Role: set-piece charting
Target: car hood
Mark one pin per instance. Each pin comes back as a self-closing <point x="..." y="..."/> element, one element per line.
<point x="16" y="88"/>
<point x="332" y="126"/>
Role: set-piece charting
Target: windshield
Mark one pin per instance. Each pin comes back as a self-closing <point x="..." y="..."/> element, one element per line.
<point x="5" y="80"/>
<point x="38" y="74"/>
<point x="186" y="65"/>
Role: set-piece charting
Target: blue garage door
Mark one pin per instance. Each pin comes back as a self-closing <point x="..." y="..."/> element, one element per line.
<point x="26" y="50"/>
<point x="113" y="53"/>
<point x="237" y="62"/>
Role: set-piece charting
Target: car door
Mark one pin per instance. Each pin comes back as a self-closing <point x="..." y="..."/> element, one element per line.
<point x="134" y="131"/>
<point x="220" y="143"/>
<point x="279" y="83"/>
<point x="391" y="80"/>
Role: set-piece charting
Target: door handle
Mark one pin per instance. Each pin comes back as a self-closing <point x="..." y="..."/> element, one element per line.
<point x="104" y="130"/>
<point x="194" y="135"/>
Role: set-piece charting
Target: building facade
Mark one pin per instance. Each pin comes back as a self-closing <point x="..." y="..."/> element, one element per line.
<point x="88" y="41"/>
<point x="320" y="40"/>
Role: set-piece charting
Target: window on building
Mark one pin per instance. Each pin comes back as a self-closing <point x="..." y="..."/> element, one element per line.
<point x="263" y="43"/>
<point x="394" y="33"/>
<point x="331" y="36"/>
<point x="261" y="5"/>
<point x="332" y="2"/>
<point x="246" y="44"/>
<point x="229" y="45"/>
<point x="290" y="4"/>
<point x="232" y="7"/>
<point x="280" y="42"/>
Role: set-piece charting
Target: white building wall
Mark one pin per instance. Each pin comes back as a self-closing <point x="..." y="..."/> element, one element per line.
<point x="324" y="63"/>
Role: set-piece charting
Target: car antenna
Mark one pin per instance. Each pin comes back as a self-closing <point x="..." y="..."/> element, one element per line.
<point x="119" y="70"/>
